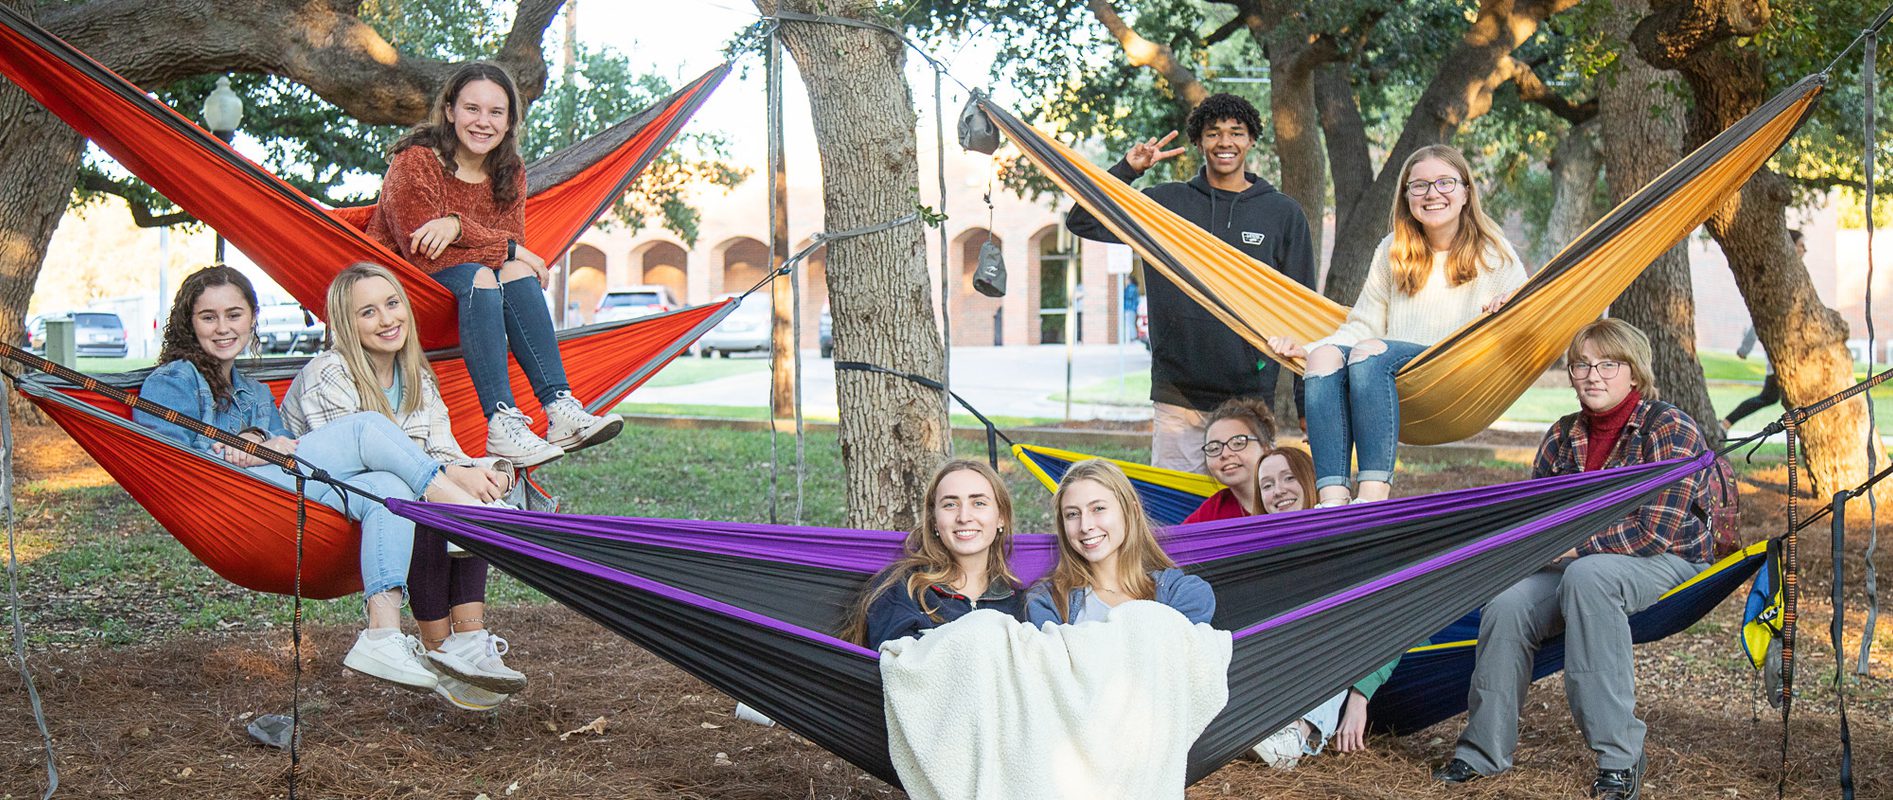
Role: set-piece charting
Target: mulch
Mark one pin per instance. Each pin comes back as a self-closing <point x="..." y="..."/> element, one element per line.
<point x="604" y="719"/>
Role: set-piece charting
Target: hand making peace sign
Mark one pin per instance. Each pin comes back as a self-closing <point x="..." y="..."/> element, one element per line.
<point x="1150" y="151"/>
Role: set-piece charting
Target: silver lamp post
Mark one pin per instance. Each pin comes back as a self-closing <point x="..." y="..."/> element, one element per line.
<point x="223" y="112"/>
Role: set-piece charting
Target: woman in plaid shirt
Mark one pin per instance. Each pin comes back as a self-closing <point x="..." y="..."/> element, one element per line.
<point x="1589" y="593"/>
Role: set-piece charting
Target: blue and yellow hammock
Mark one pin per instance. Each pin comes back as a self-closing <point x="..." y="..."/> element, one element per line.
<point x="1431" y="683"/>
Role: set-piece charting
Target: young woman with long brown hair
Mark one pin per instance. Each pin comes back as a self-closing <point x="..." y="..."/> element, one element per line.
<point x="1108" y="554"/>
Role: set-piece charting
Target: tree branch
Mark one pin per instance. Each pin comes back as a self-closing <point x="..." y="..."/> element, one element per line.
<point x="313" y="42"/>
<point x="1142" y="52"/>
<point x="1228" y="29"/>
<point x="140" y="212"/>
<point x="1532" y="89"/>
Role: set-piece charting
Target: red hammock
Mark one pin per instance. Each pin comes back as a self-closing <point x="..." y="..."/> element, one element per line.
<point x="245" y="529"/>
<point x="296" y="241"/>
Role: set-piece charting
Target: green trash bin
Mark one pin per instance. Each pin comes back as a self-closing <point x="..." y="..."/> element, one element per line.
<point x="61" y="343"/>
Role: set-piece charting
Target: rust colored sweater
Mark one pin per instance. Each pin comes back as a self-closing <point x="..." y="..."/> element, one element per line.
<point x="418" y="189"/>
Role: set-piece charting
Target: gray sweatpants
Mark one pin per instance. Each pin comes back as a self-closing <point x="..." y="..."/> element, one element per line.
<point x="1590" y="600"/>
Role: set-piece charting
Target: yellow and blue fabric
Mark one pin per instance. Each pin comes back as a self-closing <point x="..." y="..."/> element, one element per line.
<point x="1431" y="682"/>
<point x="1763" y="613"/>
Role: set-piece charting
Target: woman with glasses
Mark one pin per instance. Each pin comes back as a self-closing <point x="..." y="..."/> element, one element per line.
<point x="1235" y="438"/>
<point x="1589" y="593"/>
<point x="1444" y="264"/>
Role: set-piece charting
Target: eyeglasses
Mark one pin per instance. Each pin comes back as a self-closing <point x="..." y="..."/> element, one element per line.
<point x="1446" y="185"/>
<point x="1605" y="369"/>
<point x="1236" y="444"/>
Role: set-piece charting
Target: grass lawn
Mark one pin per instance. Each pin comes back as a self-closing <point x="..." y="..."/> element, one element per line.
<point x="687" y="369"/>
<point x="98" y="365"/>
<point x="1133" y="389"/>
<point x="762" y="412"/>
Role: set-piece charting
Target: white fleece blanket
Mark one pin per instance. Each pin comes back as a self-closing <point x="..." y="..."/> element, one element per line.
<point x="987" y="707"/>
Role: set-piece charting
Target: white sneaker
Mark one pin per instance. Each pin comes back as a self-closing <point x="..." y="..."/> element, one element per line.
<point x="1283" y="749"/>
<point x="509" y="435"/>
<point x="464" y="695"/>
<point x="475" y="658"/>
<point x="395" y="659"/>
<point x="571" y="427"/>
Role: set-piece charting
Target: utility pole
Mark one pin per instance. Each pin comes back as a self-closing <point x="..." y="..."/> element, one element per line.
<point x="782" y="294"/>
<point x="564" y="277"/>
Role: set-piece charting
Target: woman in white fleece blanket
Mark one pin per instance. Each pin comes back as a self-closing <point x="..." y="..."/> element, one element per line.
<point x="1108" y="554"/>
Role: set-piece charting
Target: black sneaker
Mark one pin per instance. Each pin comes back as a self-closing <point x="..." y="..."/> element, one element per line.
<point x="1620" y="784"/>
<point x="1456" y="771"/>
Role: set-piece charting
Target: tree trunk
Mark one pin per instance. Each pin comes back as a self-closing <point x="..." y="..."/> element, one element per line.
<point x="1293" y="59"/>
<point x="893" y="432"/>
<point x="156" y="42"/>
<point x="1806" y="340"/>
<point x="1574" y="165"/>
<point x="1460" y="91"/>
<point x="1660" y="302"/>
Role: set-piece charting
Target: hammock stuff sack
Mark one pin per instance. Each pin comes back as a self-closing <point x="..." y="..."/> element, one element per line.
<point x="1315" y="600"/>
<point x="1460" y="385"/>
<point x="1431" y="682"/>
<point x="297" y="242"/>
<point x="243" y="528"/>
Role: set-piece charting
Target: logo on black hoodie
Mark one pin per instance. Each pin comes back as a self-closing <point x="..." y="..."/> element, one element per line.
<point x="1252" y="237"/>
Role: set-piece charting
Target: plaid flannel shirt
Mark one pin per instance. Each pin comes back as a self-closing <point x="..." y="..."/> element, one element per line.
<point x="1670" y="522"/>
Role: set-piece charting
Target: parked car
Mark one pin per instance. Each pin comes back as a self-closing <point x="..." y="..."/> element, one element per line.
<point x="631" y="302"/>
<point x="95" y="334"/>
<point x="825" y="332"/>
<point x="745" y="330"/>
<point x="286" y="328"/>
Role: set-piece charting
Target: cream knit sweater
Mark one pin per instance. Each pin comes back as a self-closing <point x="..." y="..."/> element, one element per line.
<point x="1384" y="312"/>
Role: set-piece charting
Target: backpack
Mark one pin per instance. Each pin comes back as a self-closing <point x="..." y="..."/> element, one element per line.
<point x="1718" y="498"/>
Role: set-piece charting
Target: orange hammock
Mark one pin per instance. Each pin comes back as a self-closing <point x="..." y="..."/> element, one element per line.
<point x="1460" y="385"/>
<point x="245" y="529"/>
<point x="297" y="242"/>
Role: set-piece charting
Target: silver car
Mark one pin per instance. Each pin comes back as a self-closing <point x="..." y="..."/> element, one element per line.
<point x="745" y="330"/>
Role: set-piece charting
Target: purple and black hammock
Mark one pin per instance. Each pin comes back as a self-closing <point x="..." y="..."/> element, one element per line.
<point x="1316" y="600"/>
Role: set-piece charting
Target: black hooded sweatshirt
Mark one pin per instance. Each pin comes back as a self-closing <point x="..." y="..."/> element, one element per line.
<point x="1195" y="360"/>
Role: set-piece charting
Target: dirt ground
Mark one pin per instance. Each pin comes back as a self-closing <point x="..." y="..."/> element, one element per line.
<point x="165" y="718"/>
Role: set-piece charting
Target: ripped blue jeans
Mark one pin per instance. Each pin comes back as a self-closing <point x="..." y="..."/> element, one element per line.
<point x="1355" y="412"/>
<point x="491" y="321"/>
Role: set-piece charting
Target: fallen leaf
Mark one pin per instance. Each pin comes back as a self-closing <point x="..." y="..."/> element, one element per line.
<point x="723" y="760"/>
<point x="512" y="787"/>
<point x="709" y="725"/>
<point x="184" y="773"/>
<point x="595" y="726"/>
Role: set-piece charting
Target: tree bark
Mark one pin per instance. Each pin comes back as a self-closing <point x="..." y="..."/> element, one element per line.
<point x="1574" y="164"/>
<point x="1806" y="340"/>
<point x="1293" y="58"/>
<point x="1460" y="91"/>
<point x="893" y="432"/>
<point x="1661" y="301"/>
<point x="309" y="41"/>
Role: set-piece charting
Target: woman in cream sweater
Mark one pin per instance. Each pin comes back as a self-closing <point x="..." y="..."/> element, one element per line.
<point x="1445" y="263"/>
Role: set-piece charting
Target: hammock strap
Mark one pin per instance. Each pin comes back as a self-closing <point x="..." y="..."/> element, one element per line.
<point x="295" y="646"/>
<point x="1790" y="586"/>
<point x="1870" y="580"/>
<point x="1836" y="634"/>
<point x="13" y="591"/>
<point x="993" y="434"/>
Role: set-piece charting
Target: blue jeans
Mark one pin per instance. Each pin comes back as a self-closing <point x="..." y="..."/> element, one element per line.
<point x="369" y="451"/>
<point x="491" y="320"/>
<point x="1355" y="411"/>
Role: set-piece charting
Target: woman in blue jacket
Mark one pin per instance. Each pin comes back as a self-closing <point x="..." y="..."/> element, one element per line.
<point x="1108" y="553"/>
<point x="956" y="561"/>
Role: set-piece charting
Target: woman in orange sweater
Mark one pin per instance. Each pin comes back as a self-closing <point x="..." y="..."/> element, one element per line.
<point x="453" y="203"/>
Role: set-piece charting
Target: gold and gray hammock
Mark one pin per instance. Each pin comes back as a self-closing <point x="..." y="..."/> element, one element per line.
<point x="1462" y="384"/>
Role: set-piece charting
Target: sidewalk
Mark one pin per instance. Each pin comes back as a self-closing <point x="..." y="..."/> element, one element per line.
<point x="999" y="381"/>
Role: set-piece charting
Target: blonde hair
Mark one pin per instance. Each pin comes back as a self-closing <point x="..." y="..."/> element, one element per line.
<point x="1618" y="340"/>
<point x="1140" y="554"/>
<point x="1411" y="258"/>
<point x="928" y="561"/>
<point x="410" y="363"/>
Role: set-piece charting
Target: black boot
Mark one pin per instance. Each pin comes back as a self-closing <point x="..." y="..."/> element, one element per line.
<point x="1456" y="771"/>
<point x="1620" y="784"/>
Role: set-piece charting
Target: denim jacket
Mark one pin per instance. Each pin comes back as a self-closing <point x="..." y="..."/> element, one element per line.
<point x="180" y="387"/>
<point x="1188" y="594"/>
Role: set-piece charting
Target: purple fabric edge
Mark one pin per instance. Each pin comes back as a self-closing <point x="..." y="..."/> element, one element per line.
<point x="1675" y="468"/>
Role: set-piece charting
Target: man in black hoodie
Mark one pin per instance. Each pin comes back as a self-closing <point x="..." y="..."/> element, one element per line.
<point x="1197" y="362"/>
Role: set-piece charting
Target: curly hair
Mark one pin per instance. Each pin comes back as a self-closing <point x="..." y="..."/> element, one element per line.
<point x="1219" y="107"/>
<point x="180" y="335"/>
<point x="505" y="170"/>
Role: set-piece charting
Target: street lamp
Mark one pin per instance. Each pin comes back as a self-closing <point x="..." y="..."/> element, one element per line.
<point x="223" y="111"/>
